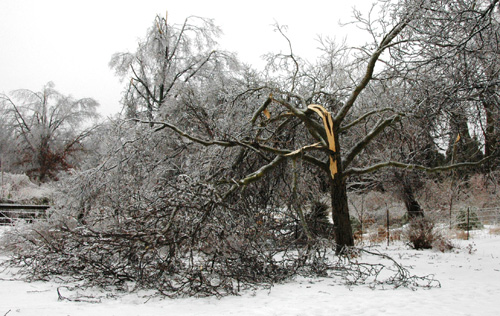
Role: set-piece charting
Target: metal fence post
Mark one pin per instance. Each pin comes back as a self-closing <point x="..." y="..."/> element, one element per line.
<point x="468" y="226"/>
<point x="388" y="230"/>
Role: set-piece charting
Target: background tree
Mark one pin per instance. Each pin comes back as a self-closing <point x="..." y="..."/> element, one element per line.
<point x="457" y="55"/>
<point x="436" y="81"/>
<point x="46" y="129"/>
<point x="169" y="59"/>
<point x="6" y="136"/>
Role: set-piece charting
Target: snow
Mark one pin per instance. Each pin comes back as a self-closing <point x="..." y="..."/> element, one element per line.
<point x="469" y="276"/>
<point x="22" y="188"/>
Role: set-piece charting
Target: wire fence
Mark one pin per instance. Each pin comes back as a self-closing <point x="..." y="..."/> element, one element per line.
<point x="391" y="226"/>
<point x="10" y="213"/>
<point x="473" y="218"/>
<point x="476" y="217"/>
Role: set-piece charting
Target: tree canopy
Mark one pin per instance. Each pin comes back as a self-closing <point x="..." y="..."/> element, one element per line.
<point x="44" y="130"/>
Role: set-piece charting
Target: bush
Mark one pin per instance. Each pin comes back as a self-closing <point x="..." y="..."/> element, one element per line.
<point x="495" y="230"/>
<point x="421" y="234"/>
<point x="318" y="220"/>
<point x="443" y="245"/>
<point x="355" y="224"/>
<point x="474" y="222"/>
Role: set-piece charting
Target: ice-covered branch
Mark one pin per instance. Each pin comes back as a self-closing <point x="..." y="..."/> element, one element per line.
<point x="382" y="124"/>
<point x="396" y="164"/>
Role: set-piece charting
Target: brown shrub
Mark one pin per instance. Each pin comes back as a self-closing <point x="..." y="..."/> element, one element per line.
<point x="378" y="236"/>
<point x="395" y="234"/>
<point x="495" y="230"/>
<point x="421" y="233"/>
<point x="461" y="234"/>
<point x="443" y="245"/>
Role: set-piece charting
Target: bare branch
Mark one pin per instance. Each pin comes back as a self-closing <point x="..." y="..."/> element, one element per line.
<point x="292" y="56"/>
<point x="262" y="171"/>
<point x="317" y="131"/>
<point x="195" y="139"/>
<point x="370" y="68"/>
<point x="258" y="148"/>
<point x="381" y="125"/>
<point x="396" y="164"/>
<point x="25" y="128"/>
<point x="261" y="108"/>
<point x="364" y="116"/>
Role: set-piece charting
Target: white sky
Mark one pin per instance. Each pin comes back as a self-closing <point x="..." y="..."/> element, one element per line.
<point x="71" y="42"/>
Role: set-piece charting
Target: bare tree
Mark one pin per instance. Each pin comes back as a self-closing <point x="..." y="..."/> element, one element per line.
<point x="165" y="62"/>
<point x="46" y="129"/>
<point x="438" y="79"/>
<point x="457" y="51"/>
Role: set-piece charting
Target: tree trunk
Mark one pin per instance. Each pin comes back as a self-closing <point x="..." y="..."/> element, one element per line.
<point x="492" y="132"/>
<point x="340" y="214"/>
<point x="412" y="207"/>
<point x="338" y="192"/>
<point x="467" y="148"/>
<point x="44" y="161"/>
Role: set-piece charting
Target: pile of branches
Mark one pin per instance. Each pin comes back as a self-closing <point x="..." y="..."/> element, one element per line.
<point x="184" y="243"/>
<point x="146" y="225"/>
<point x="183" y="250"/>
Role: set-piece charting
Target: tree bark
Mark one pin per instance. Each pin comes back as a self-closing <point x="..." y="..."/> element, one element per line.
<point x="412" y="206"/>
<point x="340" y="210"/>
<point x="467" y="147"/>
<point x="492" y="131"/>
<point x="340" y="215"/>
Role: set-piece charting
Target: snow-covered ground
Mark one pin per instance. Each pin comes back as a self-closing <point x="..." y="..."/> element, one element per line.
<point x="469" y="276"/>
<point x="22" y="189"/>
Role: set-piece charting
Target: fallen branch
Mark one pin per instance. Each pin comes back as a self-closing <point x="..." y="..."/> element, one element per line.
<point x="60" y="297"/>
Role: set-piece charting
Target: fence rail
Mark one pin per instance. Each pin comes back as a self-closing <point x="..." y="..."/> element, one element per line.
<point x="9" y="213"/>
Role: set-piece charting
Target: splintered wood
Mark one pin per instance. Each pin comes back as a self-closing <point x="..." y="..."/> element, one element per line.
<point x="328" y="122"/>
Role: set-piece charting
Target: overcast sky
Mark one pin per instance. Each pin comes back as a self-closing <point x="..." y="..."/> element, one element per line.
<point x="71" y="42"/>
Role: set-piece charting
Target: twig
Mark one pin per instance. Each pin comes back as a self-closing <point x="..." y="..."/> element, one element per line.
<point x="62" y="298"/>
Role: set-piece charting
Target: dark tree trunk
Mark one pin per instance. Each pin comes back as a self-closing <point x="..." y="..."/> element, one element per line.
<point x="340" y="209"/>
<point x="340" y="214"/>
<point x="467" y="148"/>
<point x="412" y="207"/>
<point x="491" y="133"/>
<point x="406" y="182"/>
<point x="44" y="161"/>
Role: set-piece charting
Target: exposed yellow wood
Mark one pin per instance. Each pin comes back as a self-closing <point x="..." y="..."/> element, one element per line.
<point x="328" y="123"/>
<point x="267" y="113"/>
<point x="159" y="28"/>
